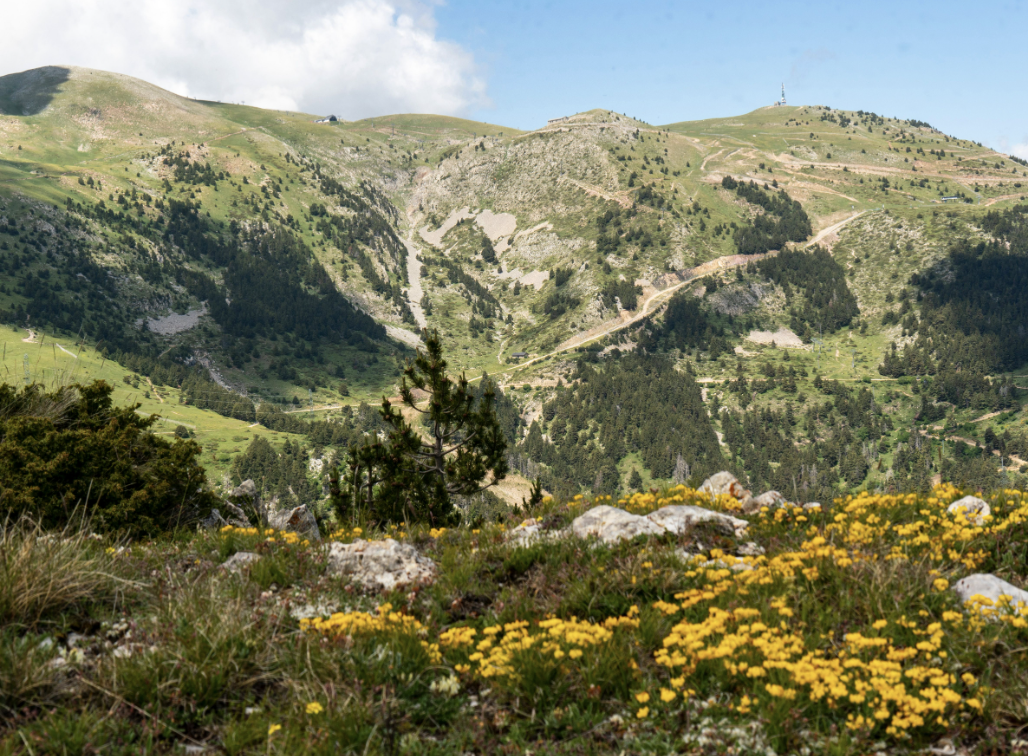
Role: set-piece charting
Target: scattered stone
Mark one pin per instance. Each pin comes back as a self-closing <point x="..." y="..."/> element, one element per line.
<point x="237" y="561"/>
<point x="726" y="483"/>
<point x="992" y="588"/>
<point x="975" y="509"/>
<point x="245" y="490"/>
<point x="526" y="533"/>
<point x="381" y="565"/>
<point x="611" y="524"/>
<point x="812" y="505"/>
<point x="751" y="549"/>
<point x="310" y="611"/>
<point x="680" y="518"/>
<point x="688" y="556"/>
<point x="298" y="520"/>
<point x="769" y="499"/>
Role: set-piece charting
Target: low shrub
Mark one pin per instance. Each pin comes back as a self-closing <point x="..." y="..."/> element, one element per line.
<point x="71" y="450"/>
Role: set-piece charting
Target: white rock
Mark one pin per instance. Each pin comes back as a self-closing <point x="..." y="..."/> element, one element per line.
<point x="682" y="517"/>
<point x="298" y="520"/>
<point x="725" y="483"/>
<point x="974" y="509"/>
<point x="611" y="524"/>
<point x="380" y="565"/>
<point x="812" y="505"/>
<point x="769" y="499"/>
<point x="309" y="611"/>
<point x="237" y="561"/>
<point x="991" y="587"/>
<point x="751" y="549"/>
<point x="526" y="533"/>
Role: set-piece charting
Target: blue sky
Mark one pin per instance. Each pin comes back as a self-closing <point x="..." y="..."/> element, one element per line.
<point x="959" y="66"/>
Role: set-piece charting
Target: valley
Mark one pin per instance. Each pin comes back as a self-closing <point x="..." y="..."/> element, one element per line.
<point x="229" y="261"/>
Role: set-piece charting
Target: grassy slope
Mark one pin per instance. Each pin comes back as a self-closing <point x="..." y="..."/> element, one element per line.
<point x="561" y="646"/>
<point x="49" y="362"/>
<point x="566" y="175"/>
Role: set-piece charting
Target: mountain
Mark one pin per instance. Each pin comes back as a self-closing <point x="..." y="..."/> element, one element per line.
<point x="283" y="258"/>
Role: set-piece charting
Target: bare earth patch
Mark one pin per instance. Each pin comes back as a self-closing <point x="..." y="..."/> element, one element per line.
<point x="783" y="337"/>
<point x="175" y="323"/>
<point x="435" y="238"/>
<point x="534" y="278"/>
<point x="496" y="225"/>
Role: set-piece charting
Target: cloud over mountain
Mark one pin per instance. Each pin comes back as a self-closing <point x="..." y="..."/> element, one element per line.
<point x="355" y="58"/>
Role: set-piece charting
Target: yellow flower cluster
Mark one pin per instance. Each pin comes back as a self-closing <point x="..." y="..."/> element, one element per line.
<point x="644" y="503"/>
<point x="502" y="649"/>
<point x="740" y="621"/>
<point x="344" y="534"/>
<point x="269" y="534"/>
<point x="384" y="622"/>
<point x="910" y="527"/>
<point x="869" y="677"/>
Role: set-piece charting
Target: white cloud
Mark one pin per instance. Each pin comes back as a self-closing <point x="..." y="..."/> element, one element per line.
<point x="1020" y="150"/>
<point x="354" y="58"/>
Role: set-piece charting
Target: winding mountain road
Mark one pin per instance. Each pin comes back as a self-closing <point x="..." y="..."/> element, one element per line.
<point x="650" y="304"/>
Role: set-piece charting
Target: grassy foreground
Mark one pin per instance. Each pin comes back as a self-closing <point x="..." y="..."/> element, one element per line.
<point x="842" y="638"/>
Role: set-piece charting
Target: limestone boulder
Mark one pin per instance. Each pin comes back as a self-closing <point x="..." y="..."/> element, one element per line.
<point x="682" y="517"/>
<point x="751" y="549"/>
<point x="992" y="588"/>
<point x="245" y="490"/>
<point x="769" y="499"/>
<point x="726" y="483"/>
<point x="239" y="560"/>
<point x="526" y="533"/>
<point x="718" y="564"/>
<point x="298" y="520"/>
<point x="973" y="508"/>
<point x="611" y="524"/>
<point x="380" y="565"/>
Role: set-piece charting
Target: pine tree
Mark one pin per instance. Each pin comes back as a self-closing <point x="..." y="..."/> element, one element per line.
<point x="412" y="476"/>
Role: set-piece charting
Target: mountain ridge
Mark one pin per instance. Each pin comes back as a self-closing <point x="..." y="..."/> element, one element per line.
<point x="128" y="204"/>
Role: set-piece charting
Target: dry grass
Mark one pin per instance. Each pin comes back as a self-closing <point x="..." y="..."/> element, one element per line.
<point x="44" y="575"/>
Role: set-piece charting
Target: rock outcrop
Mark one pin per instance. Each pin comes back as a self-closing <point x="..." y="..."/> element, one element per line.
<point x="974" y="509"/>
<point x="237" y="561"/>
<point x="682" y="517"/>
<point x="769" y="499"/>
<point x="526" y="533"/>
<point x="726" y="483"/>
<point x="992" y="588"/>
<point x="298" y="520"/>
<point x="611" y="524"/>
<point x="380" y="565"/>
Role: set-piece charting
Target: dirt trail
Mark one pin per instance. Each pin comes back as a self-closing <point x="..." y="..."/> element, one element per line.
<point x="621" y="198"/>
<point x="414" y="290"/>
<point x="832" y="229"/>
<point x="154" y="390"/>
<point x="650" y="304"/>
<point x="971" y="442"/>
<point x="32" y="337"/>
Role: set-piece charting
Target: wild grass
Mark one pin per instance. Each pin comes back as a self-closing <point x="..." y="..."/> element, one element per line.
<point x="561" y="646"/>
<point x="54" y="577"/>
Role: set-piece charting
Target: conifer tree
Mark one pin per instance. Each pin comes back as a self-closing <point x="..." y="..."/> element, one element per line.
<point x="460" y="450"/>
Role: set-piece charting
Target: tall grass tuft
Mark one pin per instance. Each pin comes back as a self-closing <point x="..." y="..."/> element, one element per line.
<point x="44" y="575"/>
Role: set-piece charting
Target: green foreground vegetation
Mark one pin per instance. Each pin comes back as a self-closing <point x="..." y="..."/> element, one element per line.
<point x="842" y="638"/>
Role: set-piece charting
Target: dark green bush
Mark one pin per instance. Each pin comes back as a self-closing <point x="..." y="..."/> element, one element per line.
<point x="70" y="451"/>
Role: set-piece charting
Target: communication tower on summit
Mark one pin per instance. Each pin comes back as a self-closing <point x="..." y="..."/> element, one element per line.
<point x="783" y="92"/>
